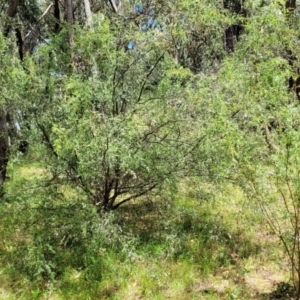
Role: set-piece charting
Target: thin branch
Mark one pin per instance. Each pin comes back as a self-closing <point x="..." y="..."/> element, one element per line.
<point x="134" y="196"/>
<point x="147" y="77"/>
<point x="45" y="12"/>
<point x="114" y="6"/>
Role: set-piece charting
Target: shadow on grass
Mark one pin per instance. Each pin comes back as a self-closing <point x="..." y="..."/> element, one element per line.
<point x="283" y="291"/>
<point x="60" y="240"/>
<point x="185" y="233"/>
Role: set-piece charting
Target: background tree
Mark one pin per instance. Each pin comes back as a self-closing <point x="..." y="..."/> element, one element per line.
<point x="265" y="112"/>
<point x="4" y="136"/>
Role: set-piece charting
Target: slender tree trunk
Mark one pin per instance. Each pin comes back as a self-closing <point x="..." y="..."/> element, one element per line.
<point x="69" y="11"/>
<point x="229" y="39"/>
<point x="56" y="16"/>
<point x="70" y="20"/>
<point x="228" y="33"/>
<point x="4" y="144"/>
<point x="88" y="12"/>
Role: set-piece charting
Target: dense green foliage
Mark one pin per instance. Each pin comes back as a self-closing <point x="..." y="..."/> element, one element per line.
<point x="126" y="104"/>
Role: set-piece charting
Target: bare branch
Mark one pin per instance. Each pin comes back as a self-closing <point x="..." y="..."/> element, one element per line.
<point x="135" y="196"/>
<point x="45" y="12"/>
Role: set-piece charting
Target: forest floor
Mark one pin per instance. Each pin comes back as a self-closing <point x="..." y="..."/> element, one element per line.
<point x="186" y="247"/>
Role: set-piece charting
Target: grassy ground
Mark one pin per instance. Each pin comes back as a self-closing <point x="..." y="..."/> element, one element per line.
<point x="187" y="247"/>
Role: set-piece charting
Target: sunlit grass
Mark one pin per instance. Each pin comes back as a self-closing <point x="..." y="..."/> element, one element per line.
<point x="182" y="248"/>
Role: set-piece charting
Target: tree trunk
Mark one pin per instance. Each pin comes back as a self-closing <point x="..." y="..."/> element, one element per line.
<point x="88" y="12"/>
<point x="3" y="147"/>
<point x="290" y="5"/>
<point x="12" y="8"/>
<point x="232" y="33"/>
<point x="229" y="39"/>
<point x="56" y="16"/>
<point x="69" y="11"/>
<point x="11" y="12"/>
<point x="70" y="20"/>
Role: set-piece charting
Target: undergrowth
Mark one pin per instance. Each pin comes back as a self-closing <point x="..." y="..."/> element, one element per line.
<point x="176" y="247"/>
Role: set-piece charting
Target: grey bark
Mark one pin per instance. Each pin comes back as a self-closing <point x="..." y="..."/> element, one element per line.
<point x="69" y="11"/>
<point x="88" y="12"/>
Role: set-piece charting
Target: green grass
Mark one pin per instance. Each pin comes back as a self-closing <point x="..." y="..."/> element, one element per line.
<point x="180" y="248"/>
